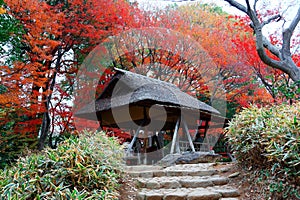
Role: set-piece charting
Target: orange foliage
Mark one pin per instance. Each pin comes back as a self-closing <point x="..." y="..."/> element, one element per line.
<point x="51" y="32"/>
<point x="225" y="45"/>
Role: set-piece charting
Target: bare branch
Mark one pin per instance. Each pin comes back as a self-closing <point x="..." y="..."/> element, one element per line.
<point x="295" y="20"/>
<point x="275" y="17"/>
<point x="248" y="5"/>
<point x="285" y="62"/>
<point x="254" y="6"/>
<point x="262" y="42"/>
<point x="287" y="34"/>
<point x="273" y="49"/>
<point x="237" y="5"/>
<point x="283" y="12"/>
<point x="260" y="47"/>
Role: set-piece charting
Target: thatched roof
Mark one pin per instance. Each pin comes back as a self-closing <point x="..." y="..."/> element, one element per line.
<point x="140" y="93"/>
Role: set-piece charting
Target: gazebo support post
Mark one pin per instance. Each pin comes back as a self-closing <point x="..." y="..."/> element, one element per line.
<point x="177" y="144"/>
<point x="188" y="134"/>
<point x="175" y="135"/>
<point x="134" y="139"/>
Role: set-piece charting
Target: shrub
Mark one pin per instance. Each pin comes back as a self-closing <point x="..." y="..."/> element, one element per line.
<point x="12" y="147"/>
<point x="268" y="139"/>
<point x="88" y="167"/>
<point x="12" y="143"/>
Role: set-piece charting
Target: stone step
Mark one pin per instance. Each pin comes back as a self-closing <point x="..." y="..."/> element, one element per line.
<point x="160" y="173"/>
<point x="201" y="169"/>
<point x="209" y="193"/>
<point x="181" y="181"/>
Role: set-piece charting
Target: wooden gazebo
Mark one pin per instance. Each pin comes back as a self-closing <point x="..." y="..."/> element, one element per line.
<point x="132" y="101"/>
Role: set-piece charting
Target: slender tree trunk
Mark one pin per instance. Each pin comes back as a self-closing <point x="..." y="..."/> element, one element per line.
<point x="44" y="132"/>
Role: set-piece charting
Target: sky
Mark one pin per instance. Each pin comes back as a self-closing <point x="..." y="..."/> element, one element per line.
<point x="269" y="4"/>
<point x="288" y="7"/>
<point x="160" y="4"/>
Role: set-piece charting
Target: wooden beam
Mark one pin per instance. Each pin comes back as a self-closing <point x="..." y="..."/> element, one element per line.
<point x="177" y="144"/>
<point x="206" y="128"/>
<point x="175" y="135"/>
<point x="188" y="134"/>
<point x="133" y="139"/>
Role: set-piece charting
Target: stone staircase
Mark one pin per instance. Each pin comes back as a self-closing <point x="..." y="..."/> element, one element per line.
<point x="202" y="181"/>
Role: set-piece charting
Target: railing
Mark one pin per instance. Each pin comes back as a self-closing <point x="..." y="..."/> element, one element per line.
<point x="199" y="146"/>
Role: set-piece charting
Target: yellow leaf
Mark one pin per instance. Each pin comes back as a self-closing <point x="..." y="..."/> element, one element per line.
<point x="2" y="11"/>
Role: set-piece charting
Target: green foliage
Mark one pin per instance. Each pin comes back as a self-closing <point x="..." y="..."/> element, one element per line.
<point x="213" y="8"/>
<point x="11" y="31"/>
<point x="12" y="145"/>
<point x="286" y="91"/>
<point x="268" y="138"/>
<point x="85" y="167"/>
<point x="11" y="49"/>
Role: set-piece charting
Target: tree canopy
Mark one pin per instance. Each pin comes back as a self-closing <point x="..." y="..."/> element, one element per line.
<point x="43" y="44"/>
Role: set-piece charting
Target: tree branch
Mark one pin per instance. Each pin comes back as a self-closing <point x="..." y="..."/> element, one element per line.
<point x="262" y="54"/>
<point x="287" y="66"/>
<point x="254" y="6"/>
<point x="275" y="17"/>
<point x="287" y="34"/>
<point x="237" y="5"/>
<point x="250" y="12"/>
<point x="273" y="49"/>
<point x="295" y="21"/>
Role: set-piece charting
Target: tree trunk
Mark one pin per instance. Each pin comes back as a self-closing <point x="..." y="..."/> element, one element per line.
<point x="284" y="62"/>
<point x="44" y="132"/>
